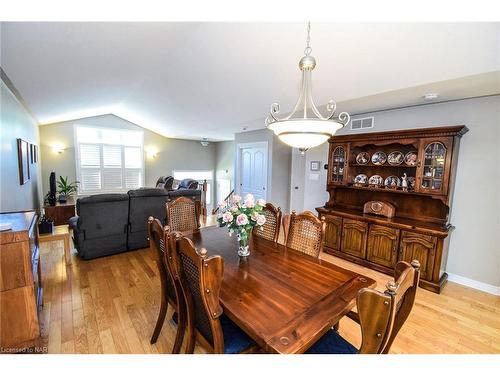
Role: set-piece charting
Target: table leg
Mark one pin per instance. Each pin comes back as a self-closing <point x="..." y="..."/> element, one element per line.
<point x="67" y="250"/>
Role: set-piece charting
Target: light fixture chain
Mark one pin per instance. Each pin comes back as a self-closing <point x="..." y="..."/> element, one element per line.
<point x="308" y="49"/>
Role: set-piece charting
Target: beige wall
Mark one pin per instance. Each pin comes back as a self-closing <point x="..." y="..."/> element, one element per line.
<point x="475" y="243"/>
<point x="172" y="153"/>
<point x="224" y="165"/>
<point x="16" y="122"/>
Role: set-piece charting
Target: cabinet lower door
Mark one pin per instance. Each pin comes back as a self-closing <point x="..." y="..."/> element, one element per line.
<point x="420" y="247"/>
<point x="354" y="234"/>
<point x="382" y="247"/>
<point x="333" y="231"/>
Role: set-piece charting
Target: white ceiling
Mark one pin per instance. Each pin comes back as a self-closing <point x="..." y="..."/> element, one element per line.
<point x="194" y="80"/>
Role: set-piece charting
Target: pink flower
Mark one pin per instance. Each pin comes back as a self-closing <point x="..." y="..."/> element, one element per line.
<point x="227" y="217"/>
<point x="254" y="215"/>
<point x="223" y="204"/>
<point x="234" y="208"/>
<point x="261" y="220"/>
<point x="242" y="219"/>
<point x="261" y="202"/>
<point x="236" y="199"/>
<point x="249" y="201"/>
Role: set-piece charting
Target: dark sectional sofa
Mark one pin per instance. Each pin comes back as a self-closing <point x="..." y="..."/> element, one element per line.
<point x="113" y="223"/>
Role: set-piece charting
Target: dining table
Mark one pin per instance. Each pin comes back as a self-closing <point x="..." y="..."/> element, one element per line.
<point x="283" y="299"/>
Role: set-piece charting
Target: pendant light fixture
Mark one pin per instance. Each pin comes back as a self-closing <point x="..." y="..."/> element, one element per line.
<point x="306" y="127"/>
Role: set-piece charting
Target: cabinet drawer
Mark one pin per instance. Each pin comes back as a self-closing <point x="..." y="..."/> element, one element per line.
<point x="15" y="265"/>
<point x="382" y="247"/>
<point x="333" y="231"/>
<point x="354" y="235"/>
<point x="420" y="247"/>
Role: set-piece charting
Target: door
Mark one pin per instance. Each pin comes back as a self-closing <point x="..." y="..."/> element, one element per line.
<point x="434" y="165"/>
<point x="252" y="170"/>
<point x="382" y="247"/>
<point x="420" y="247"/>
<point x="337" y="165"/>
<point x="354" y="234"/>
<point x="333" y="232"/>
<point x="297" y="181"/>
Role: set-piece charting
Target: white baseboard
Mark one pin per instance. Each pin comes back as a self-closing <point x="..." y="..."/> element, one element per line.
<point x="488" y="288"/>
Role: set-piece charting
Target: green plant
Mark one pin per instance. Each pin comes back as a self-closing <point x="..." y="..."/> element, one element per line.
<point x="66" y="188"/>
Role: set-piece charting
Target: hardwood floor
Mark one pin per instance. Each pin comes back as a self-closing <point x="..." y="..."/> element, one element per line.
<point x="110" y="305"/>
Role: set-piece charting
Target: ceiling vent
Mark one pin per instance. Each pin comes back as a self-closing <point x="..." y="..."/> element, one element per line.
<point x="362" y="123"/>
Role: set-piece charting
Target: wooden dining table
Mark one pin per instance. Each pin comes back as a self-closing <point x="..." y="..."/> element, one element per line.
<point x="283" y="299"/>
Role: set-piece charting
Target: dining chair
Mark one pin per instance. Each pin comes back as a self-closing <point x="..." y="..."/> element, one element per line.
<point x="271" y="228"/>
<point x="182" y="215"/>
<point x="160" y="242"/>
<point x="380" y="315"/>
<point x="200" y="280"/>
<point x="305" y="233"/>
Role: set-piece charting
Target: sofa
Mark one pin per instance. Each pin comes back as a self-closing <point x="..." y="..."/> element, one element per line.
<point x="108" y="224"/>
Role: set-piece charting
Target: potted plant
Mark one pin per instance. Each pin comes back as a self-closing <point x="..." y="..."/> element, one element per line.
<point x="240" y="216"/>
<point x="66" y="189"/>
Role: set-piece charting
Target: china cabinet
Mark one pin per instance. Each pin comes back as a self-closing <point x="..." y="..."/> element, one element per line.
<point x="411" y="170"/>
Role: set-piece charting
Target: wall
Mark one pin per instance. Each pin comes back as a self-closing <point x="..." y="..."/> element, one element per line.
<point x="172" y="153"/>
<point x="16" y="122"/>
<point x="279" y="165"/>
<point x="475" y="243"/>
<point x="224" y="168"/>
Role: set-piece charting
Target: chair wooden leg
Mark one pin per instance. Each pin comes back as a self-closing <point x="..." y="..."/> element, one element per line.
<point x="181" y="330"/>
<point x="160" y="320"/>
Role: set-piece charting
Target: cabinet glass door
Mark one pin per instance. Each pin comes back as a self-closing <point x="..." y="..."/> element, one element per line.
<point x="338" y="165"/>
<point x="434" y="165"/>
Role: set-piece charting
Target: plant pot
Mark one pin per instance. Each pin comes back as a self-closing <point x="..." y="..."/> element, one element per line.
<point x="63" y="198"/>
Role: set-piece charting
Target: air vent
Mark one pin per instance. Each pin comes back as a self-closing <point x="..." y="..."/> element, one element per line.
<point x="362" y="123"/>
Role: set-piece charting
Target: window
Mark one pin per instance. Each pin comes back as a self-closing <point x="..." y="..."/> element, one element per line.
<point x="108" y="160"/>
<point x="199" y="176"/>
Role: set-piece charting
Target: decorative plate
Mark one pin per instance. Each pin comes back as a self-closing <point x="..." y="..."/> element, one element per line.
<point x="395" y="158"/>
<point x="392" y="181"/>
<point x="363" y="158"/>
<point x="360" y="179"/>
<point x="379" y="158"/>
<point x="376" y="180"/>
<point x="411" y="158"/>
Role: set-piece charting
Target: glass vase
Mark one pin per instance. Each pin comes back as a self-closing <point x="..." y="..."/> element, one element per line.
<point x="244" y="248"/>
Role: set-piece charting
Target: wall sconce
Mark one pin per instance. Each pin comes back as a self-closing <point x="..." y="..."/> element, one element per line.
<point x="58" y="148"/>
<point x="151" y="152"/>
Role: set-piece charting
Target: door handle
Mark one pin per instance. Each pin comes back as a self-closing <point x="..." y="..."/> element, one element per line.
<point x="263" y="188"/>
<point x="296" y="188"/>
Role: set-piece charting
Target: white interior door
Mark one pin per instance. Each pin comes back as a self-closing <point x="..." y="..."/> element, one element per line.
<point x="298" y="181"/>
<point x="252" y="170"/>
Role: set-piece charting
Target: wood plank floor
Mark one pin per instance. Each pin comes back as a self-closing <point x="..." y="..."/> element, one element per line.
<point x="110" y="305"/>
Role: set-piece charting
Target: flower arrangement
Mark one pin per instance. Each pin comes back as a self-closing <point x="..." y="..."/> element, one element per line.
<point x="240" y="216"/>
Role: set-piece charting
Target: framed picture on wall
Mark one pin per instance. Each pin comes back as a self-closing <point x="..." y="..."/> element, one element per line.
<point x="35" y="148"/>
<point x="315" y="165"/>
<point x="32" y="153"/>
<point x="23" y="156"/>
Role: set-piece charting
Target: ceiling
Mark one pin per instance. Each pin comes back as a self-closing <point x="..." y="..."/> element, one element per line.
<point x="194" y="80"/>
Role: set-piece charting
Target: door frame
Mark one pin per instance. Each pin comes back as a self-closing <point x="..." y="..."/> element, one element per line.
<point x="237" y="175"/>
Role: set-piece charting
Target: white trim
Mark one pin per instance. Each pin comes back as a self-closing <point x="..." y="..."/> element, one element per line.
<point x="237" y="173"/>
<point x="488" y="288"/>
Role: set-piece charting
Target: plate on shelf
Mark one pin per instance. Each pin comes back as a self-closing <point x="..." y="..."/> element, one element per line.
<point x="363" y="158"/>
<point x="395" y="158"/>
<point x="379" y="158"/>
<point x="392" y="182"/>
<point x="376" y="180"/>
<point x="360" y="179"/>
<point x="411" y="158"/>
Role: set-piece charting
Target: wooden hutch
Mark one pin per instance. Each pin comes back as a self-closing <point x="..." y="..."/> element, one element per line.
<point x="419" y="228"/>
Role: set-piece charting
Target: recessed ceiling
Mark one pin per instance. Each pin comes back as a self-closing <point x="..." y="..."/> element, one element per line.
<point x="195" y="80"/>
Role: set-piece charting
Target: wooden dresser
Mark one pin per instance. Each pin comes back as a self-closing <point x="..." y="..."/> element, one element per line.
<point x="20" y="281"/>
<point x="420" y="228"/>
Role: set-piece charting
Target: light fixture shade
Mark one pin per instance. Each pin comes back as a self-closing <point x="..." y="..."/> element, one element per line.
<point x="305" y="127"/>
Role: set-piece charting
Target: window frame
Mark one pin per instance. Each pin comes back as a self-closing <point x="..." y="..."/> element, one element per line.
<point x="101" y="145"/>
